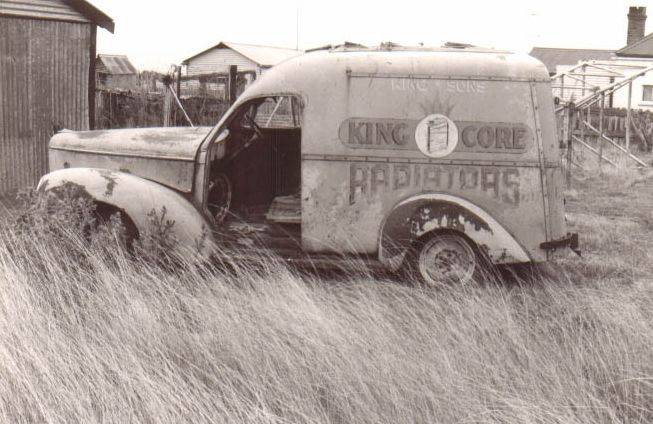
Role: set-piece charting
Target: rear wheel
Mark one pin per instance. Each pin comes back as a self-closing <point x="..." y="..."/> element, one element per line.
<point x="444" y="258"/>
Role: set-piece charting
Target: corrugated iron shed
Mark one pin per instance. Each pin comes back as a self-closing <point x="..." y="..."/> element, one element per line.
<point x="47" y="78"/>
<point x="114" y="65"/>
<point x="58" y="10"/>
<point x="552" y="57"/>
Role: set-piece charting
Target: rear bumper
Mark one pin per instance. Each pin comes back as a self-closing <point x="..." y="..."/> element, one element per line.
<point x="570" y="241"/>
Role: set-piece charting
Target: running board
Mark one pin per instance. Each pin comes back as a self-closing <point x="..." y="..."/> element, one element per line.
<point x="290" y="257"/>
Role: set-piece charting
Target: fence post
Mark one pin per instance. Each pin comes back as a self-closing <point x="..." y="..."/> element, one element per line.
<point x="628" y="114"/>
<point x="233" y="75"/>
<point x="179" y="81"/>
<point x="601" y="106"/>
<point x="167" y="103"/>
<point x="564" y="125"/>
<point x="571" y="110"/>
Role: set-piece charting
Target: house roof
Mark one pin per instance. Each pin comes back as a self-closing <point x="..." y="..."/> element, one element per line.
<point x="114" y="65"/>
<point x="640" y="48"/>
<point x="94" y="14"/>
<point x="552" y="56"/>
<point x="264" y="56"/>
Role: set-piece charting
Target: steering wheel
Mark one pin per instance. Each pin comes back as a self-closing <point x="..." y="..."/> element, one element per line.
<point x="219" y="197"/>
<point x="255" y="127"/>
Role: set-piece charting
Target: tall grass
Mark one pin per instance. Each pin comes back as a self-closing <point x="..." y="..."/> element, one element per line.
<point x="89" y="333"/>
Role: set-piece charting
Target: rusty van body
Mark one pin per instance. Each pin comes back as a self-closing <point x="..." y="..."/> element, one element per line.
<point x="436" y="156"/>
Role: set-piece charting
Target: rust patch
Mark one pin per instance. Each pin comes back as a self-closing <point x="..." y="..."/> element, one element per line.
<point x="84" y="135"/>
<point x="111" y="181"/>
<point x="169" y="135"/>
<point x="69" y="190"/>
<point x="408" y="222"/>
<point x="445" y="215"/>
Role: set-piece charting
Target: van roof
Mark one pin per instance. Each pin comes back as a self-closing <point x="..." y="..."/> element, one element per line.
<point x="392" y="47"/>
<point x="325" y="69"/>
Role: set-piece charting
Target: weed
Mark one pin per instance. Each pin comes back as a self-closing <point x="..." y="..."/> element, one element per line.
<point x="121" y="339"/>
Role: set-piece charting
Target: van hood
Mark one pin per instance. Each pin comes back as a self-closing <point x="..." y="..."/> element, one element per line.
<point x="179" y="143"/>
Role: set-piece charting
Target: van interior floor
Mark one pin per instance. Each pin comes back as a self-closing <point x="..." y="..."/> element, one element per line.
<point x="277" y="231"/>
<point x="276" y="228"/>
<point x="259" y="237"/>
<point x="251" y="240"/>
<point x="285" y="210"/>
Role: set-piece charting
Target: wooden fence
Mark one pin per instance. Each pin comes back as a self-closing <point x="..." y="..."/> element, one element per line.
<point x="117" y="109"/>
<point x="614" y="126"/>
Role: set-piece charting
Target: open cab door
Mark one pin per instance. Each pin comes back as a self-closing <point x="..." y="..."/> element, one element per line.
<point x="254" y="172"/>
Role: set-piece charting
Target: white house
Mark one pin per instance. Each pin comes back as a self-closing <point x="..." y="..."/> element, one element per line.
<point x="247" y="57"/>
<point x="601" y="71"/>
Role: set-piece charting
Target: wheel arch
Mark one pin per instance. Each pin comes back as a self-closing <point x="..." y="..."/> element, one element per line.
<point x="417" y="217"/>
<point x="136" y="198"/>
<point x="105" y="210"/>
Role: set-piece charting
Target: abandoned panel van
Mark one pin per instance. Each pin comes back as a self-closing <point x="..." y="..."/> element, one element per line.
<point x="438" y="160"/>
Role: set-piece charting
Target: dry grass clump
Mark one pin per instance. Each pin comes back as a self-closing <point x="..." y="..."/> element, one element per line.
<point x="97" y="334"/>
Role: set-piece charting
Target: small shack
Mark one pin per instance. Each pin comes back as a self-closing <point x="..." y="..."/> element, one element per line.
<point x="115" y="72"/>
<point x="47" y="80"/>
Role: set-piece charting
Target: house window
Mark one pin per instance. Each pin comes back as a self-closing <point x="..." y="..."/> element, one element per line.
<point x="647" y="93"/>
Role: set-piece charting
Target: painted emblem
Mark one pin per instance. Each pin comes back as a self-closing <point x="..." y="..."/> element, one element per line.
<point x="436" y="135"/>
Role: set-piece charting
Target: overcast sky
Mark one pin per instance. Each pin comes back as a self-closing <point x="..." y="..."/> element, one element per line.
<point x="156" y="34"/>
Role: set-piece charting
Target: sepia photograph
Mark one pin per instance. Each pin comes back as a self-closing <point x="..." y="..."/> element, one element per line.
<point x="343" y="212"/>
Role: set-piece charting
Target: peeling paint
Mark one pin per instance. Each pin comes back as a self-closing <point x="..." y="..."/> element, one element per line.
<point x="444" y="215"/>
<point x="68" y="189"/>
<point x="87" y="135"/>
<point x="168" y="158"/>
<point x="178" y="143"/>
<point x="423" y="214"/>
<point x="111" y="181"/>
<point x="137" y="197"/>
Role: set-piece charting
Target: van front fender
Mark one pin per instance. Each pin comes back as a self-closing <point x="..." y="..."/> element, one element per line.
<point x="138" y="197"/>
<point x="422" y="214"/>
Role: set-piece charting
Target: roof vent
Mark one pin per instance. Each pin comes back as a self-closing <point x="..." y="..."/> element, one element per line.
<point x="344" y="46"/>
<point x="388" y="45"/>
<point x="454" y="45"/>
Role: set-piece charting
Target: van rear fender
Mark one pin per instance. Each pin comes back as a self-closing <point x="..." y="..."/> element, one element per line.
<point x="420" y="215"/>
<point x="138" y="197"/>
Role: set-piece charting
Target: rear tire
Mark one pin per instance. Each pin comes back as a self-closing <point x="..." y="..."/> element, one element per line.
<point x="444" y="259"/>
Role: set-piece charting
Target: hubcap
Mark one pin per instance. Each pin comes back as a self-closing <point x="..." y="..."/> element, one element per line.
<point x="447" y="259"/>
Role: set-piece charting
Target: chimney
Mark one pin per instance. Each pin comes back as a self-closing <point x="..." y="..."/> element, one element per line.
<point x="636" y="24"/>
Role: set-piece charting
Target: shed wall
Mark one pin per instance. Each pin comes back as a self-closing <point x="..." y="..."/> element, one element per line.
<point x="42" y="9"/>
<point x="43" y="85"/>
<point x="218" y="61"/>
<point x="117" y="82"/>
